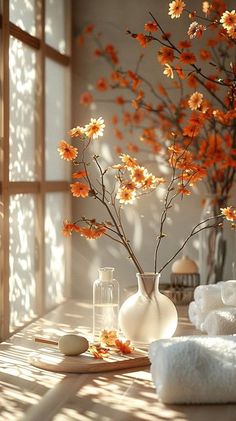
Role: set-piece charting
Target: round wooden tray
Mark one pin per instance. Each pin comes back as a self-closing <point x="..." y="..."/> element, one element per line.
<point x="86" y="363"/>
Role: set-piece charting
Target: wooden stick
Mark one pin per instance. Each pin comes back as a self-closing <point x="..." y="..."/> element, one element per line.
<point x="45" y="341"/>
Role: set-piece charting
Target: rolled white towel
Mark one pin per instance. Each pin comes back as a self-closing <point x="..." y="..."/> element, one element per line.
<point x="220" y="322"/>
<point x="194" y="369"/>
<point x="228" y="292"/>
<point x="208" y="297"/>
<point x="196" y="316"/>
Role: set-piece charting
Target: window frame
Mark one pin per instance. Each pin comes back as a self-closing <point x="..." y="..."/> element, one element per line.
<point x="40" y="187"/>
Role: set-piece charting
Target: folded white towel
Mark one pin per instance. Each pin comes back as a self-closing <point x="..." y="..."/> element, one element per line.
<point x="208" y="297"/>
<point x="194" y="369"/>
<point x="220" y="322"/>
<point x="228" y="292"/>
<point x="196" y="316"/>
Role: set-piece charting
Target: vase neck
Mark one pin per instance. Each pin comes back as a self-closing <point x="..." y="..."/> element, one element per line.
<point x="148" y="283"/>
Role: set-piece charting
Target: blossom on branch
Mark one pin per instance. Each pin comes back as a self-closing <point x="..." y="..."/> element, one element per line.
<point x="67" y="151"/>
<point x="176" y="8"/>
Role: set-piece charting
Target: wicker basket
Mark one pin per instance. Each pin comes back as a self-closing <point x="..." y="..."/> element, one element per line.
<point x="181" y="287"/>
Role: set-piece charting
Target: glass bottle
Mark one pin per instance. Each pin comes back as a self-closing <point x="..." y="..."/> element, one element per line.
<point x="106" y="296"/>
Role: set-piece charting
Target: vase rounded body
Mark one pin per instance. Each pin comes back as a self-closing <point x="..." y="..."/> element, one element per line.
<point x="147" y="315"/>
<point x="216" y="246"/>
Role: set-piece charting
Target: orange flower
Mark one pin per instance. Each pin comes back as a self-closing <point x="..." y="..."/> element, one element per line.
<point x="168" y="71"/>
<point x="118" y="134"/>
<point x="150" y="27"/>
<point x="187" y="57"/>
<point x="142" y="39"/>
<point x="232" y="32"/>
<point x="204" y="54"/>
<point x="184" y="44"/>
<point x="176" y="8"/>
<point x="124" y="347"/>
<point x="118" y="150"/>
<point x="138" y="174"/>
<point x="98" y="352"/>
<point x="86" y="98"/>
<point x="180" y="72"/>
<point x="120" y="100"/>
<point x="165" y="55"/>
<point x="67" y="228"/>
<point x="228" y="20"/>
<point x="137" y="101"/>
<point x="135" y="79"/>
<point x="183" y="190"/>
<point x="108" y="337"/>
<point x="129" y="161"/>
<point x="92" y="233"/>
<point x="102" y="84"/>
<point x="89" y="28"/>
<point x="195" y="100"/>
<point x="192" y="130"/>
<point x="196" y="30"/>
<point x="95" y="128"/>
<point x="206" y="7"/>
<point x="229" y="213"/>
<point x="126" y="196"/>
<point x="150" y="182"/>
<point x="79" y="174"/>
<point x="128" y="185"/>
<point x="79" y="189"/>
<point x="192" y="81"/>
<point x="132" y="147"/>
<point x="67" y="151"/>
<point x="76" y="132"/>
<point x="111" y="52"/>
<point x="114" y="119"/>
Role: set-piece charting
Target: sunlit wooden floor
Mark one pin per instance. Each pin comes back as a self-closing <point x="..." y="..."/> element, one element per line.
<point x="28" y="393"/>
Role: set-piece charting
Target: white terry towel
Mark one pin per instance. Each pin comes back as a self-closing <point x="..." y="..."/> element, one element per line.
<point x="208" y="297"/>
<point x="228" y="292"/>
<point x="194" y="369"/>
<point x="196" y="316"/>
<point x="220" y="322"/>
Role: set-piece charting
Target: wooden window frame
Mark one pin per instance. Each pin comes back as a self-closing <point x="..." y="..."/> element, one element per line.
<point x="41" y="186"/>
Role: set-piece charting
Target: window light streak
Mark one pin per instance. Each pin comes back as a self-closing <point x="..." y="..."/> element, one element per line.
<point x="22" y="62"/>
<point x="22" y="271"/>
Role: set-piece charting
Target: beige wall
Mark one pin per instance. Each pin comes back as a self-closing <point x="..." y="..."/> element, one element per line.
<point x="112" y="18"/>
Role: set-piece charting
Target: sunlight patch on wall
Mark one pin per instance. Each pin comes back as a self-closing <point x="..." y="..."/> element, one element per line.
<point x="22" y="283"/>
<point x="22" y="61"/>
<point x="54" y="249"/>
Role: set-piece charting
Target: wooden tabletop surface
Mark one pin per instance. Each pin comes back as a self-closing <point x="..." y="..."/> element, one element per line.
<point x="31" y="394"/>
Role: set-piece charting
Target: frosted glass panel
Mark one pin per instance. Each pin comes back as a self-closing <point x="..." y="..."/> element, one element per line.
<point x="22" y="60"/>
<point x="55" y="120"/>
<point x="22" y="13"/>
<point x="55" y="24"/>
<point x="22" y="284"/>
<point x="54" y="248"/>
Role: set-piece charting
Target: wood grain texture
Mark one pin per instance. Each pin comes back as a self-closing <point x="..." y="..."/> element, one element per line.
<point x="86" y="363"/>
<point x="32" y="394"/>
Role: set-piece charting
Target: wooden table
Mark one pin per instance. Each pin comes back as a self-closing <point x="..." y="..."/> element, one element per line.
<point x="31" y="394"/>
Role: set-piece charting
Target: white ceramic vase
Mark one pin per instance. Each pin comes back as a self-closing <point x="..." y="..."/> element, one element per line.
<point x="147" y="315"/>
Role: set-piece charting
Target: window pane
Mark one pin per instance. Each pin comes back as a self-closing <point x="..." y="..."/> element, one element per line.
<point x="22" y="13"/>
<point x="55" y="24"/>
<point x="22" y="60"/>
<point x="54" y="248"/>
<point x="55" y="119"/>
<point x="22" y="285"/>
